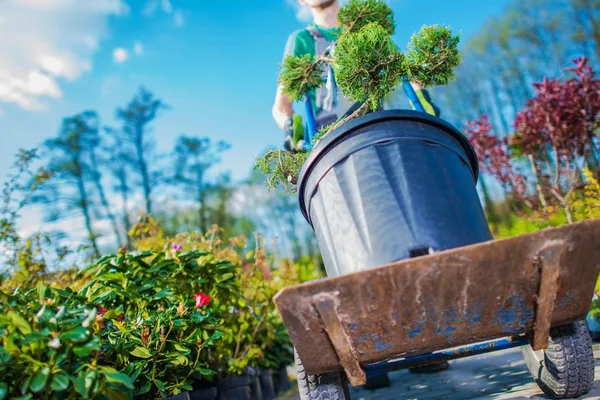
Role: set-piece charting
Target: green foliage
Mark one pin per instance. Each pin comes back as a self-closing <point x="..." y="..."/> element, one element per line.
<point x="588" y="206"/>
<point x="367" y="64"/>
<point x="432" y="56"/>
<point x="300" y="75"/>
<point x="356" y="14"/>
<point x="50" y="347"/>
<point x="281" y="168"/>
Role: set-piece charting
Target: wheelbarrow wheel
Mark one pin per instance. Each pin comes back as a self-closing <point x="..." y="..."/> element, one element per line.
<point x="330" y="386"/>
<point x="566" y="368"/>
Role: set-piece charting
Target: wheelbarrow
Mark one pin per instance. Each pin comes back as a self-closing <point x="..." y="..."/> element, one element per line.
<point x="414" y="275"/>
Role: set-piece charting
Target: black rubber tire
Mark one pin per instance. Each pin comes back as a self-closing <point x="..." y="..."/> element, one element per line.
<point x="565" y="370"/>
<point x="330" y="386"/>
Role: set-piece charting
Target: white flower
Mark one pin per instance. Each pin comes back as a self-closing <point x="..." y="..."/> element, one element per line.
<point x="54" y="343"/>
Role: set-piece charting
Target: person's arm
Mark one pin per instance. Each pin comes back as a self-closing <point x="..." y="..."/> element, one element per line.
<point x="282" y="109"/>
<point x="426" y="101"/>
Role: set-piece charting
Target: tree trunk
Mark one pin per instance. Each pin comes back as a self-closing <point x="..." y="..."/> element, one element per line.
<point x="139" y="148"/>
<point x="85" y="209"/>
<point x="124" y="190"/>
<point x="538" y="186"/>
<point x="103" y="200"/>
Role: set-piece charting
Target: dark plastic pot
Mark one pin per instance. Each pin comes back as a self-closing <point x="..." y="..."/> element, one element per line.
<point x="267" y="386"/>
<point x="204" y="394"/>
<point x="234" y="387"/>
<point x="200" y="394"/>
<point x="255" y="389"/>
<point x="389" y="186"/>
<point x="281" y="380"/>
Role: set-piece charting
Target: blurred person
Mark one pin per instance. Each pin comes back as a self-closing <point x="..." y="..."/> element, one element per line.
<point x="314" y="39"/>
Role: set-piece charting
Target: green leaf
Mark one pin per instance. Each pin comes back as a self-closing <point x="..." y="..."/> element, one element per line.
<point x="181" y="348"/>
<point x="3" y="390"/>
<point x="25" y="385"/>
<point x="19" y="322"/>
<point x="160" y="385"/>
<point x="38" y="382"/>
<point x="80" y="384"/>
<point x="116" y="393"/>
<point x="60" y="382"/>
<point x="79" y="334"/>
<point x="178" y="359"/>
<point x="141" y="352"/>
<point x="82" y="351"/>
<point x="28" y="396"/>
<point x="198" y="317"/>
<point x="205" y="371"/>
<point x="145" y="388"/>
<point x="215" y="336"/>
<point x="163" y="293"/>
<point x="225" y="277"/>
<point x="41" y="289"/>
<point x="120" y="378"/>
<point x="187" y="387"/>
<point x="37" y="335"/>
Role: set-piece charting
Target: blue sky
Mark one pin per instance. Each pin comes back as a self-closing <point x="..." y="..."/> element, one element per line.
<point x="214" y="62"/>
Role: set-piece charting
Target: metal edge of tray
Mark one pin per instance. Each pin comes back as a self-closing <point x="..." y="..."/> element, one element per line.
<point x="456" y="297"/>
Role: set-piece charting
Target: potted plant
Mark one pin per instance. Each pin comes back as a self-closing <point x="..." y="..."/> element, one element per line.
<point x="162" y="313"/>
<point x="381" y="186"/>
<point x="50" y="348"/>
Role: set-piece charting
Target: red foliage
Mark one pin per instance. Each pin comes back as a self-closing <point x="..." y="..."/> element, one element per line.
<point x="563" y="114"/>
<point x="494" y="156"/>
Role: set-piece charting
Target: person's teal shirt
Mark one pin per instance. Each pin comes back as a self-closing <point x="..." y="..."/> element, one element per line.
<point x="301" y="42"/>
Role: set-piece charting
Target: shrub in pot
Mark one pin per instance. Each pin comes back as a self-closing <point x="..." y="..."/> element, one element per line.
<point x="50" y="347"/>
<point x="162" y="312"/>
<point x="380" y="186"/>
<point x="367" y="66"/>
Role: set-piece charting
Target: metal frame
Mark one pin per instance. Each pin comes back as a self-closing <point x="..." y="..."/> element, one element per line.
<point x="517" y="288"/>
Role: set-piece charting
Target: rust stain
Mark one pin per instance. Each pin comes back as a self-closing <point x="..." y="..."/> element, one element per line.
<point x="500" y="281"/>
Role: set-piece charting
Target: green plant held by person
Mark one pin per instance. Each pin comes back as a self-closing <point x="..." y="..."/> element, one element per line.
<point x="368" y="66"/>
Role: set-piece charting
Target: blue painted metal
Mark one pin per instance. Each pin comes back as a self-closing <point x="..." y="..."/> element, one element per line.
<point x="412" y="95"/>
<point x="444" y="355"/>
<point x="311" y="123"/>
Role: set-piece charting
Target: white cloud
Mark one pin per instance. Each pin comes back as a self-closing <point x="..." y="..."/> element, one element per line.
<point x="47" y="41"/>
<point x="303" y="13"/>
<point x="120" y="55"/>
<point x="138" y="48"/>
<point x="152" y="6"/>
<point x="178" y="18"/>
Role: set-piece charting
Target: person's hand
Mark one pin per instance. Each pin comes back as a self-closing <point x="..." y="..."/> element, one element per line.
<point x="294" y="133"/>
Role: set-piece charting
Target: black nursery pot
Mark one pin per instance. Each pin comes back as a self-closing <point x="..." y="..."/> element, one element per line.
<point x="255" y="388"/>
<point x="389" y="186"/>
<point x="267" y="386"/>
<point x="234" y="387"/>
<point x="281" y="380"/>
<point x="200" y="394"/>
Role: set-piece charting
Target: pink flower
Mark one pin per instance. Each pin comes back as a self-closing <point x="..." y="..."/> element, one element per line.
<point x="177" y="247"/>
<point x="201" y="299"/>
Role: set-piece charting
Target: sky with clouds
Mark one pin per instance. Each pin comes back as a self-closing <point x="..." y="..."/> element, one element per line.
<point x="214" y="63"/>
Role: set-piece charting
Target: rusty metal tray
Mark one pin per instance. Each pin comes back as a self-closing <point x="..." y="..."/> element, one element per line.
<point x="502" y="288"/>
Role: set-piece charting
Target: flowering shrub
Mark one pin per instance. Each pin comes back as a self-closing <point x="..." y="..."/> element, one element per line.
<point x="162" y="312"/>
<point x="50" y="348"/>
<point x="557" y="127"/>
<point x="494" y="156"/>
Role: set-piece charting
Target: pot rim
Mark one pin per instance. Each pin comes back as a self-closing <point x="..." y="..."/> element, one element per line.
<point x="334" y="137"/>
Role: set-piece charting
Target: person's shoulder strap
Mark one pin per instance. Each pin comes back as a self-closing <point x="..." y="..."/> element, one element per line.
<point x="314" y="32"/>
